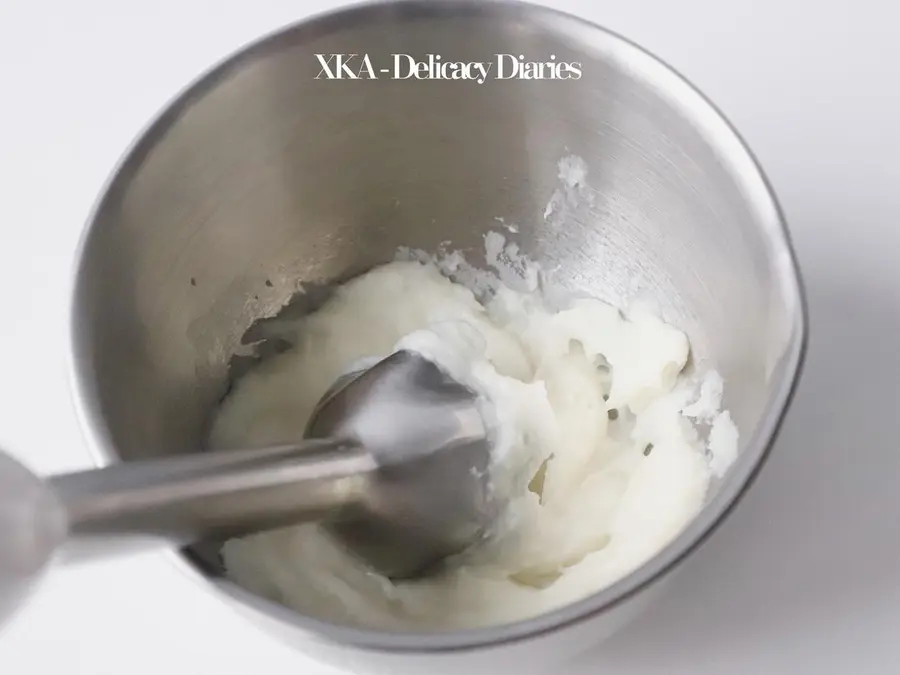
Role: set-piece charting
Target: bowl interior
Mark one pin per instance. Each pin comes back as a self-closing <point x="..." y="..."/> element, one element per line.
<point x="263" y="184"/>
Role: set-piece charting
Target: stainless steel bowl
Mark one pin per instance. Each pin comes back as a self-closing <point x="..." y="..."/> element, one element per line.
<point x="261" y="177"/>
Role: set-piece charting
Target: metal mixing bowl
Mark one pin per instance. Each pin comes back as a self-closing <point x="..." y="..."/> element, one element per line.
<point x="260" y="177"/>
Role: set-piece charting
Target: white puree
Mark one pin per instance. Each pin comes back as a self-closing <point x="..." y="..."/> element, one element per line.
<point x="606" y="505"/>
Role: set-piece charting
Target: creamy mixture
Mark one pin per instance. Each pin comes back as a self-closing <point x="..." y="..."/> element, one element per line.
<point x="595" y="442"/>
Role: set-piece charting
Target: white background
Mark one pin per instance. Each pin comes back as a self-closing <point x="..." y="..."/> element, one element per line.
<point x="804" y="578"/>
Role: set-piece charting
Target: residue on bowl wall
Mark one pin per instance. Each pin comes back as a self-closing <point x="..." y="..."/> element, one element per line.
<point x="572" y="172"/>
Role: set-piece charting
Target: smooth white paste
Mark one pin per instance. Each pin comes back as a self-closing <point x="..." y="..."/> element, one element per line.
<point x="613" y="492"/>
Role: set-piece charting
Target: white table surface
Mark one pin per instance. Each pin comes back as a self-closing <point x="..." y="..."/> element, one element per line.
<point x="804" y="578"/>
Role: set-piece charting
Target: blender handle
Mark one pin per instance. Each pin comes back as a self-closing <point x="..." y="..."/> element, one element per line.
<point x="180" y="500"/>
<point x="215" y="495"/>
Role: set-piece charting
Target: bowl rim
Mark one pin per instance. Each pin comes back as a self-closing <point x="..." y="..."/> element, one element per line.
<point x="744" y="167"/>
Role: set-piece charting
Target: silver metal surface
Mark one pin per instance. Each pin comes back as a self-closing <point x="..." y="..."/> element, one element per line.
<point x="103" y="512"/>
<point x="261" y="180"/>
<point x="430" y="496"/>
<point x="396" y="463"/>
<point x="215" y="495"/>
